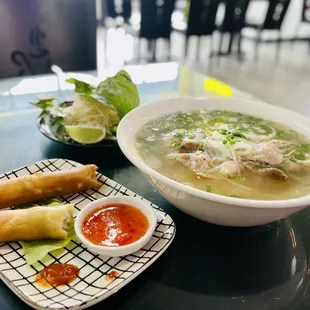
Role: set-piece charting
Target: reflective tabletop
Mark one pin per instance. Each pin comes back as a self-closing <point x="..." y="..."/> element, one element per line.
<point x="207" y="266"/>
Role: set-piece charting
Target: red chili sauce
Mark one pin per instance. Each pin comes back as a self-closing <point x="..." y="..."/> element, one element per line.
<point x="57" y="274"/>
<point x="115" y="225"/>
<point x="111" y="275"/>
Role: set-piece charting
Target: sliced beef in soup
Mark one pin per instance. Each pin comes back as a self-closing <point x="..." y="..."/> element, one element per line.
<point x="230" y="153"/>
<point x="285" y="146"/>
<point x="199" y="162"/>
<point x="189" y="146"/>
<point x="274" y="172"/>
<point x="229" y="169"/>
<point x="262" y="154"/>
<point x="264" y="170"/>
<point x="203" y="166"/>
<point x="267" y="153"/>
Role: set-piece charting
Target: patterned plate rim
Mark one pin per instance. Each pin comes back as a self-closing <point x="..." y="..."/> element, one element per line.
<point x="92" y="302"/>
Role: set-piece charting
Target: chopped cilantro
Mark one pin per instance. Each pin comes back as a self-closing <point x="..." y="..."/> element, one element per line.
<point x="235" y="196"/>
<point x="175" y="144"/>
<point x="201" y="147"/>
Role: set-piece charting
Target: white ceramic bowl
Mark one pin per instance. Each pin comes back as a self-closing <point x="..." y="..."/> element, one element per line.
<point x="119" y="250"/>
<point x="206" y="206"/>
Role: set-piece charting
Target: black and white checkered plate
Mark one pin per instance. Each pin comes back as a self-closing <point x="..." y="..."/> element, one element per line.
<point x="92" y="285"/>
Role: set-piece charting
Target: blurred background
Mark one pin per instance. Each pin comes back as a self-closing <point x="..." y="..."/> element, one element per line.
<point x="260" y="46"/>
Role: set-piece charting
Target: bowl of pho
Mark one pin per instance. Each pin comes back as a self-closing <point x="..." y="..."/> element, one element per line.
<point x="230" y="162"/>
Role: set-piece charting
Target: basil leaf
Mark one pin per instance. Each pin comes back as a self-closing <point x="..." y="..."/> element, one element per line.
<point x="44" y="104"/>
<point x="120" y="92"/>
<point x="56" y="125"/>
<point x="80" y="86"/>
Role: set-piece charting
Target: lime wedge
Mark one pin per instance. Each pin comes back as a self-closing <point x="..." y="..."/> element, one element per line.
<point x="86" y="134"/>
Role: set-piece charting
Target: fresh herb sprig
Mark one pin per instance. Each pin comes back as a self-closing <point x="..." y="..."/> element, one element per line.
<point x="231" y="137"/>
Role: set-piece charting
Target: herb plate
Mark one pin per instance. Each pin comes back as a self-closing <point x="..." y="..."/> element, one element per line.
<point x="92" y="285"/>
<point x="42" y="124"/>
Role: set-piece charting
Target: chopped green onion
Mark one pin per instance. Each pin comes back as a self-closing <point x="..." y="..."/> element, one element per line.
<point x="299" y="153"/>
<point x="239" y="135"/>
<point x="223" y="132"/>
<point x="291" y="152"/>
<point x="175" y="143"/>
<point x="234" y="196"/>
<point x="291" y="158"/>
<point x="209" y="188"/>
<point x="287" y="134"/>
<point x="114" y="129"/>
<point x="241" y="178"/>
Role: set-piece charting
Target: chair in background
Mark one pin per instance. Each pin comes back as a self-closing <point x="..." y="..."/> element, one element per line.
<point x="111" y="8"/>
<point x="201" y="20"/>
<point x="233" y="23"/>
<point x="156" y="22"/>
<point x="273" y="21"/>
<point x="118" y="8"/>
<point x="305" y="17"/>
<point x="39" y="33"/>
<point x="126" y="10"/>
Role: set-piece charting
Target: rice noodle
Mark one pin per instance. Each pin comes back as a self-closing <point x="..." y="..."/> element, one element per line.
<point x="234" y="157"/>
<point x="247" y="146"/>
<point x="260" y="137"/>
<point x="234" y="183"/>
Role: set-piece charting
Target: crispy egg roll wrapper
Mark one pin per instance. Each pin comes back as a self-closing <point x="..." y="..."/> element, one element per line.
<point x="35" y="223"/>
<point x="43" y="185"/>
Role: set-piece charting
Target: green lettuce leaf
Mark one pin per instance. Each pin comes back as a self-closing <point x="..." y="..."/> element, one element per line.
<point x="120" y="91"/>
<point x="80" y="86"/>
<point x="49" y="202"/>
<point x="36" y="250"/>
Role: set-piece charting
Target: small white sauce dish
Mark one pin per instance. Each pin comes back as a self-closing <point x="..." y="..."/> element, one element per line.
<point x="115" y="251"/>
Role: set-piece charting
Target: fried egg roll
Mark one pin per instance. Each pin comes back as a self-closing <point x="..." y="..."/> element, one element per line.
<point x="35" y="223"/>
<point x="43" y="185"/>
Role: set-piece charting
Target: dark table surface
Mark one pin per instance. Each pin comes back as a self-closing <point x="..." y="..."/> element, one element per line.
<point x="206" y="266"/>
